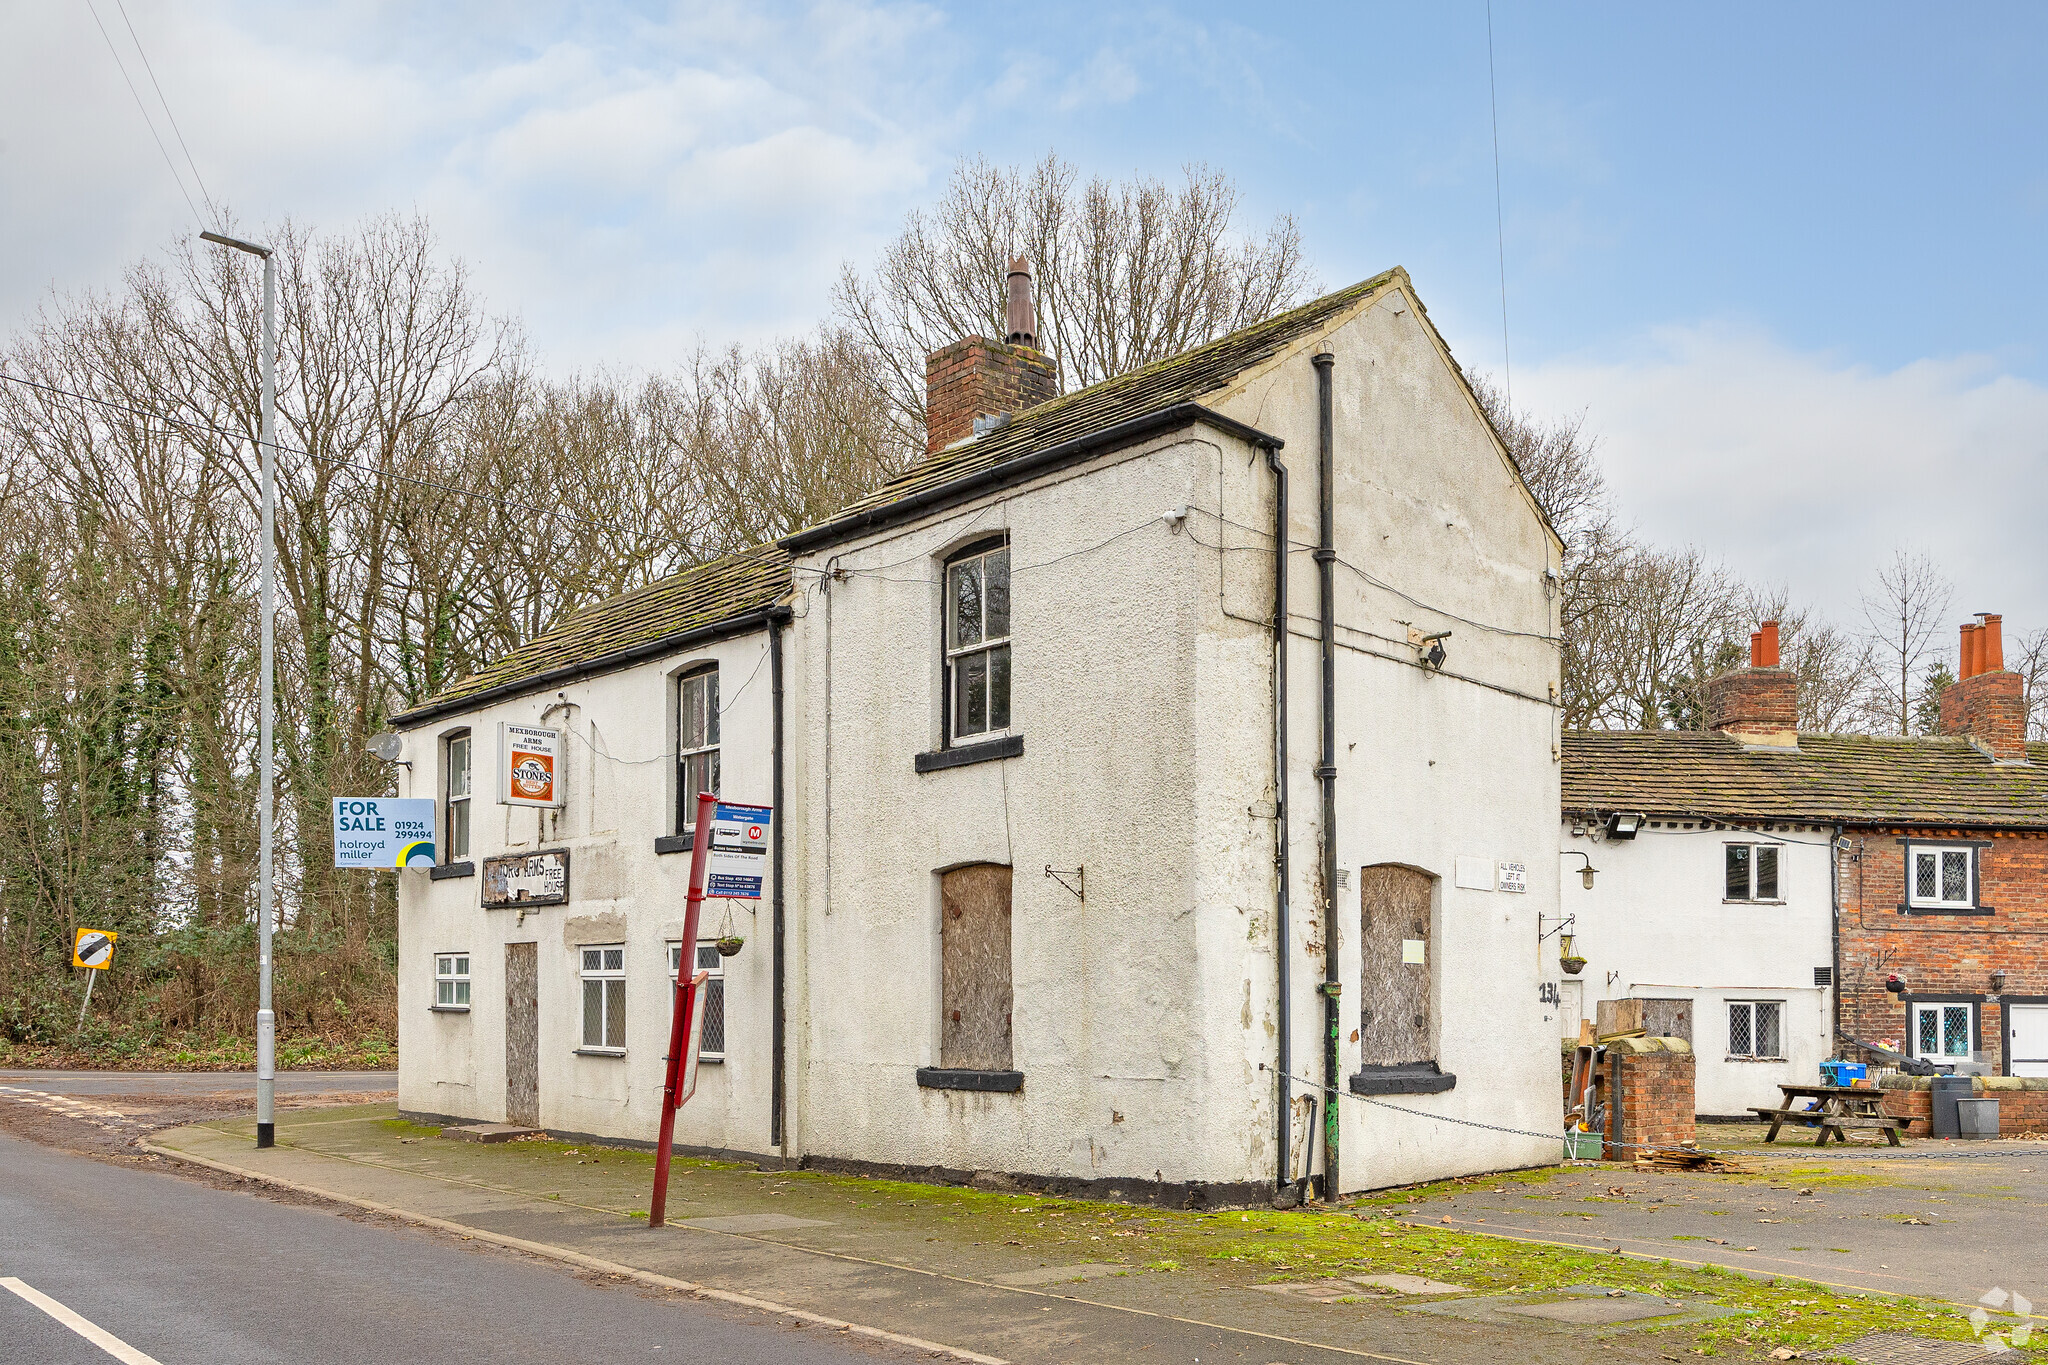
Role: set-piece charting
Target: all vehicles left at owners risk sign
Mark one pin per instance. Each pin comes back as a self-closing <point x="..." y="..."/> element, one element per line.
<point x="384" y="831"/>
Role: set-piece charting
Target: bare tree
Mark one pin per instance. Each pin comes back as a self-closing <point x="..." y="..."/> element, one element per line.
<point x="1902" y="612"/>
<point x="1127" y="272"/>
<point x="2030" y="661"/>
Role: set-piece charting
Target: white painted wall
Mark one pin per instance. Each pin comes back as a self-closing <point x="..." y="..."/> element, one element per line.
<point x="1143" y="692"/>
<point x="1656" y="925"/>
<point x="620" y="792"/>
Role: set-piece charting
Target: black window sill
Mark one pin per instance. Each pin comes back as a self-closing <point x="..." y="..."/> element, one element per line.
<point x="957" y="1078"/>
<point x="1745" y="1057"/>
<point x="1946" y="910"/>
<point x="676" y="843"/>
<point x="447" y="870"/>
<point x="448" y="1009"/>
<point x="960" y="755"/>
<point x="1404" y="1078"/>
<point x="617" y="1052"/>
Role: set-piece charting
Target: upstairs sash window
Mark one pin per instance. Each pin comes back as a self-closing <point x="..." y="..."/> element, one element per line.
<point x="978" y="643"/>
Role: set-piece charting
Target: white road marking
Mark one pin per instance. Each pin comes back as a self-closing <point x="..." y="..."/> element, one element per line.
<point x="98" y="1336"/>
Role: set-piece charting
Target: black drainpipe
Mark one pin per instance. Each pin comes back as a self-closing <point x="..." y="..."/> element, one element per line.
<point x="1281" y="931"/>
<point x="775" y="1099"/>
<point x="1326" y="771"/>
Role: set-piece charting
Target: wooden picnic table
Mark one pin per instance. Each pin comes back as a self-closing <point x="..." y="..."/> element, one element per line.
<point x="1838" y="1108"/>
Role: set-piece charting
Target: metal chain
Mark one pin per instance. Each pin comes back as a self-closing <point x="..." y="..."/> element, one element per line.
<point x="1640" y="1146"/>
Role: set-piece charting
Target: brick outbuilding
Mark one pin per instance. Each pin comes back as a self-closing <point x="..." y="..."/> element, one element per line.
<point x="1934" y="852"/>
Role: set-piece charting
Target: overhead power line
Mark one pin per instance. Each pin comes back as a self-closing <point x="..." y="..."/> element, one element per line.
<point x="143" y="109"/>
<point x="143" y="52"/>
<point x="1500" y="230"/>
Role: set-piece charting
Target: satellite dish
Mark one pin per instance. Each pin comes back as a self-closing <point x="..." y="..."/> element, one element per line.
<point x="387" y="746"/>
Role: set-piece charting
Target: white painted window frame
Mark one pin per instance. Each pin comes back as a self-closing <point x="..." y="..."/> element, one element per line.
<point x="451" y="982"/>
<point x="1936" y="1008"/>
<point x="706" y="749"/>
<point x="1939" y="853"/>
<point x="458" y="792"/>
<point x="985" y="645"/>
<point x="1778" y="854"/>
<point x="604" y="977"/>
<point x="1753" y="1055"/>
<point x="709" y="961"/>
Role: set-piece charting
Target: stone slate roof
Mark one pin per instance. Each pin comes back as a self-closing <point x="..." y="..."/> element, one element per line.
<point x="1160" y="385"/>
<point x="638" y="622"/>
<point x="621" y="628"/>
<point x="1854" y="779"/>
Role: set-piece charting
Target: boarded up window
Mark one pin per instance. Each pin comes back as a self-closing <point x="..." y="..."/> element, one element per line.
<point x="1394" y="1013"/>
<point x="974" y="955"/>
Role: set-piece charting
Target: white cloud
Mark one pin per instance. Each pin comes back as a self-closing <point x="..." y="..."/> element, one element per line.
<point x="1796" y="468"/>
<point x="613" y="179"/>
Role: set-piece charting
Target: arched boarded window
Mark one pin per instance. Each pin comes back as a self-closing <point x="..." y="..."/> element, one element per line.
<point x="974" y="991"/>
<point x="1395" y="1025"/>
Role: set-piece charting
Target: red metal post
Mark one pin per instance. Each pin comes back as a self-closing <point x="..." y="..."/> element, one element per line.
<point x="679" y="1021"/>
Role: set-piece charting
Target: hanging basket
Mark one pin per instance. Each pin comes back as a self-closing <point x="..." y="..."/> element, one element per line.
<point x="730" y="945"/>
<point x="1572" y="965"/>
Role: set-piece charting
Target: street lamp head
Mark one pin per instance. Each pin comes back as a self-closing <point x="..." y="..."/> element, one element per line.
<point x="253" y="248"/>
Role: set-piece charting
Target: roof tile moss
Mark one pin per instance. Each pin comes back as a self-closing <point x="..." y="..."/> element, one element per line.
<point x="1177" y="379"/>
<point x="1851" y="779"/>
<point x="746" y="582"/>
<point x="696" y="598"/>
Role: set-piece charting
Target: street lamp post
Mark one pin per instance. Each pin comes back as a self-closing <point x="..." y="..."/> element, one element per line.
<point x="266" y="1020"/>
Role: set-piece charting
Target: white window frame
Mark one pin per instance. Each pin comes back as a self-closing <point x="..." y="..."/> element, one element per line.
<point x="602" y="965"/>
<point x="1753" y="1007"/>
<point x="1756" y="850"/>
<point x="1939" y="1009"/>
<point x="696" y="747"/>
<point x="709" y="961"/>
<point x="458" y="792"/>
<point x="986" y="648"/>
<point x="1939" y="855"/>
<point x="451" y="982"/>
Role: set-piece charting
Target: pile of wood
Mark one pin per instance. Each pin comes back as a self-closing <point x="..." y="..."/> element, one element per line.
<point x="1686" y="1157"/>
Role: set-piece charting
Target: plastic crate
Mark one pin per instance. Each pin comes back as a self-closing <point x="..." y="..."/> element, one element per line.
<point x="1584" y="1146"/>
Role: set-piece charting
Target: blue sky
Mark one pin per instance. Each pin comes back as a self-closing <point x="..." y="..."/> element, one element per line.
<point x="1788" y="259"/>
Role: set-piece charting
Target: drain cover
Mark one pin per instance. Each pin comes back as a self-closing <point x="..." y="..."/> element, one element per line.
<point x="1897" y="1348"/>
<point x="1596" y="1312"/>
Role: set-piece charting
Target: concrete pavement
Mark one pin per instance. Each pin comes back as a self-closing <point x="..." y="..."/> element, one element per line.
<point x="187" y="1273"/>
<point x="185" y="1084"/>
<point x="1946" y="1220"/>
<point x="1015" y="1276"/>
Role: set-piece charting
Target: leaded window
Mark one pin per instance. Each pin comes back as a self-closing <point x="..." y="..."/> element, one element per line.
<point x="604" y="998"/>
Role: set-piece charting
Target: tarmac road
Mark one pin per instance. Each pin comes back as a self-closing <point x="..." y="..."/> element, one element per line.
<point x="182" y="1272"/>
<point x="179" y="1084"/>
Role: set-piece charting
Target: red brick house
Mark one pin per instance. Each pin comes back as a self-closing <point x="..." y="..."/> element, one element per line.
<point x="1939" y="878"/>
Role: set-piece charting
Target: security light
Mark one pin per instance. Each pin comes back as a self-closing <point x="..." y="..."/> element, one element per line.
<point x="1624" y="826"/>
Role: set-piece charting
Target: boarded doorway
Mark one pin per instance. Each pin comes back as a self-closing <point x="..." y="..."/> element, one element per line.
<point x="1394" y="1012"/>
<point x="522" y="1034"/>
<point x="974" y="968"/>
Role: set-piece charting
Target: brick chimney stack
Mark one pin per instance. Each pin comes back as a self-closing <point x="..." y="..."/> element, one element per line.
<point x="1757" y="706"/>
<point x="1986" y="704"/>
<point x="976" y="379"/>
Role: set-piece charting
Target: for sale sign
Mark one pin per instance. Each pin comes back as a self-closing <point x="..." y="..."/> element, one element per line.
<point x="530" y="767"/>
<point x="383" y="831"/>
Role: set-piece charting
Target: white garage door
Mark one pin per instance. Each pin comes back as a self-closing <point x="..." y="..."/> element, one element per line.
<point x="2029" y="1035"/>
